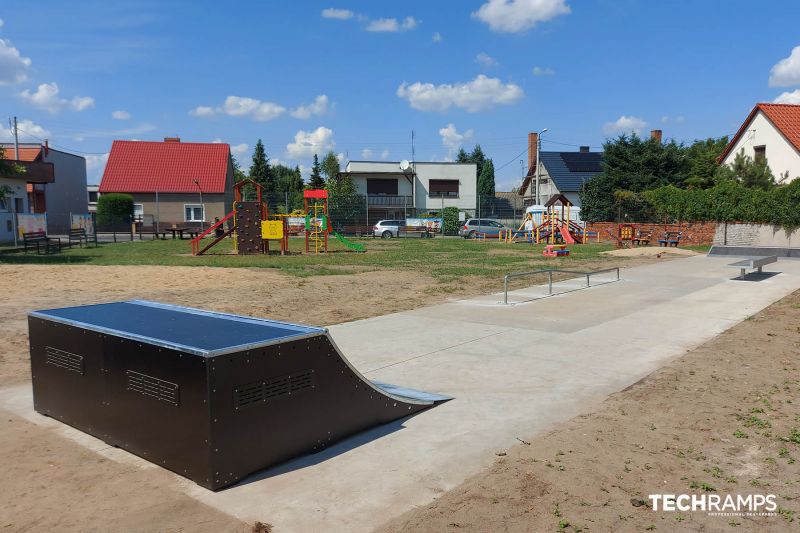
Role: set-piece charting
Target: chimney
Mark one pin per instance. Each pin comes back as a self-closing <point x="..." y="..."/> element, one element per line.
<point x="533" y="140"/>
<point x="172" y="139"/>
<point x="656" y="135"/>
<point x="46" y="148"/>
<point x="584" y="149"/>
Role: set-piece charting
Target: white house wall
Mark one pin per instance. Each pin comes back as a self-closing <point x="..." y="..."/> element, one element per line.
<point x="781" y="155"/>
<point x="18" y="190"/>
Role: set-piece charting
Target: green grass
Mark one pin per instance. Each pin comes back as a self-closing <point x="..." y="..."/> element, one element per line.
<point x="446" y="259"/>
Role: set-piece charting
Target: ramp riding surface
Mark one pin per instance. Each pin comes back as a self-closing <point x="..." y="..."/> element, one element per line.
<point x="211" y="396"/>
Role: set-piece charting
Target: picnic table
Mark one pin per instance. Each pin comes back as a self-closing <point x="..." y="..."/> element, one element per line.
<point x="180" y="230"/>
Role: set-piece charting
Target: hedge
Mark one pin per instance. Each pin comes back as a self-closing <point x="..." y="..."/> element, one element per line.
<point x="730" y="202"/>
<point x="114" y="209"/>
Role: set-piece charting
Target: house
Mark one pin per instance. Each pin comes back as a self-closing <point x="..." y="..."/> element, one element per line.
<point x="92" y="195"/>
<point x="404" y="189"/>
<point x="559" y="173"/>
<point x="54" y="182"/>
<point x="771" y="133"/>
<point x="172" y="182"/>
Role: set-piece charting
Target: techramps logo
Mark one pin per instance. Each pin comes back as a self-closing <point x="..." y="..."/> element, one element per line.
<point x="717" y="504"/>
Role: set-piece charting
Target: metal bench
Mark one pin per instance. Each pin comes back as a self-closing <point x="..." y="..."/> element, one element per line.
<point x="753" y="263"/>
<point x="40" y="240"/>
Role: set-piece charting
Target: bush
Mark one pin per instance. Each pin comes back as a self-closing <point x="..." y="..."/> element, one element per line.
<point x="450" y="221"/>
<point x="114" y="209"/>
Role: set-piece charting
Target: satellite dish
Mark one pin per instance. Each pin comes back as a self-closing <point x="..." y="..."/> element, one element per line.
<point x="405" y="165"/>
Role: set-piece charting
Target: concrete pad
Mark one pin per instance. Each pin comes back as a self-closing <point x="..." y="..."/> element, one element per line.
<point x="514" y="371"/>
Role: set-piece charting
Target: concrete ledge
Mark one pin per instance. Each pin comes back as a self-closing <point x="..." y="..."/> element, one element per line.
<point x="749" y="251"/>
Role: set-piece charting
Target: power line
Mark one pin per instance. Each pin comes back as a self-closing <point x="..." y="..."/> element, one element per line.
<point x="501" y="167"/>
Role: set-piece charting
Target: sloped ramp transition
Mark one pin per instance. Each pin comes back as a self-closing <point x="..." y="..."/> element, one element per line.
<point x="211" y="396"/>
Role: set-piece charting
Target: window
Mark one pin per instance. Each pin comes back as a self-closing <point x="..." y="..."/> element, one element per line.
<point x="3" y="204"/>
<point x="92" y="197"/>
<point x="382" y="186"/>
<point x="445" y="188"/>
<point x="138" y="212"/>
<point x="193" y="213"/>
<point x="760" y="154"/>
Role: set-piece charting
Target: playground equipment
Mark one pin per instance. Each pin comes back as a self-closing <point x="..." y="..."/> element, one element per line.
<point x="250" y="224"/>
<point x="213" y="397"/>
<point x="552" y="223"/>
<point x="555" y="250"/>
<point x="318" y="224"/>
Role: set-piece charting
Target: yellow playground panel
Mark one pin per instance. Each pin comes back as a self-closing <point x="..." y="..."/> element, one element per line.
<point x="272" y="229"/>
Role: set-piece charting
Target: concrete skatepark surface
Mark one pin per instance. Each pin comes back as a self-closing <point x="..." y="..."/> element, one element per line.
<point x="514" y="371"/>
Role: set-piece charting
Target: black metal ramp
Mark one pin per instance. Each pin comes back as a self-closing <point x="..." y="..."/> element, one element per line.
<point x="211" y="396"/>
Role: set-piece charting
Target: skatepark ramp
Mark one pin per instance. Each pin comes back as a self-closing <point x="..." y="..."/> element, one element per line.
<point x="211" y="396"/>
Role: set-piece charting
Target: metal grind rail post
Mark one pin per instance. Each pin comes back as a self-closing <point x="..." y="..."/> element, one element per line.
<point x="549" y="273"/>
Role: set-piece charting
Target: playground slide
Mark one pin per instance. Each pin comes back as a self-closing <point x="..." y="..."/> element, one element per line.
<point x="566" y="235"/>
<point x="211" y="396"/>
<point x="352" y="245"/>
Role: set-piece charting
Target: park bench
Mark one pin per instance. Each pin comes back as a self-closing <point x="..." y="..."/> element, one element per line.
<point x="643" y="238"/>
<point x="79" y="235"/>
<point x="422" y="231"/>
<point x="151" y="230"/>
<point x="753" y="263"/>
<point x="40" y="240"/>
<point x="671" y="238"/>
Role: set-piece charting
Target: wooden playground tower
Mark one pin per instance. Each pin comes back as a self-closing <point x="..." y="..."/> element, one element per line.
<point x="249" y="223"/>
<point x="317" y="220"/>
<point x="556" y="226"/>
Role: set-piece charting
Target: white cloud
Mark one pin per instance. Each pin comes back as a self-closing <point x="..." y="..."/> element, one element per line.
<point x="543" y="71"/>
<point x="46" y="98"/>
<point x="95" y="165"/>
<point x="242" y="106"/>
<point x="519" y="15"/>
<point x="318" y="107"/>
<point x="624" y="124"/>
<point x="2" y="23"/>
<point x="366" y="153"/>
<point x="28" y="131"/>
<point x="452" y="139"/>
<point x="120" y="115"/>
<point x="485" y="59"/>
<point x="385" y="155"/>
<point x="677" y="119"/>
<point x="13" y="67"/>
<point x="338" y="14"/>
<point x="792" y="97"/>
<point x="786" y="72"/>
<point x="476" y="95"/>
<point x="437" y="37"/>
<point x="392" y="24"/>
<point x="236" y="149"/>
<point x="308" y="143"/>
<point x="203" y="111"/>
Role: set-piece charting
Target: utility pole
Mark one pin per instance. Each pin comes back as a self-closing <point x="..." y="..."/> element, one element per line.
<point x="16" y="140"/>
<point x="538" y="149"/>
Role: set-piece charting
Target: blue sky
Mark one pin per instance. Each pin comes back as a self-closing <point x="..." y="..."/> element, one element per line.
<point x="357" y="77"/>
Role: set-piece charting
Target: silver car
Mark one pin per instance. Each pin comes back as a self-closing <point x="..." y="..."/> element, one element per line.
<point x="386" y="229"/>
<point x="475" y="226"/>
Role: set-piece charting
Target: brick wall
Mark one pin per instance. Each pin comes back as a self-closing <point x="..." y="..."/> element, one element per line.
<point x="694" y="233"/>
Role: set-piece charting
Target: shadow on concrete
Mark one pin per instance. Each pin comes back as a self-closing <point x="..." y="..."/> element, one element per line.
<point x="755" y="276"/>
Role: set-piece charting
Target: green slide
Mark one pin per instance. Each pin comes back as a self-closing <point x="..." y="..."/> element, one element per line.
<point x="352" y="245"/>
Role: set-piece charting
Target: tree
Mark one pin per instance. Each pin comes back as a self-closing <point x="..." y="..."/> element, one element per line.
<point x="702" y="160"/>
<point x="330" y="167"/>
<point x="315" y="180"/>
<point x="635" y="165"/>
<point x="10" y="169"/>
<point x="288" y="188"/>
<point x="750" y="173"/>
<point x="462" y="156"/>
<point x="238" y="173"/>
<point x="486" y="180"/>
<point x="478" y="157"/>
<point x="259" y="170"/>
<point x="114" y="209"/>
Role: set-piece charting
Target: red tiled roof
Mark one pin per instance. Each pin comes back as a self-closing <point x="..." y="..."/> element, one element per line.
<point x="26" y="153"/>
<point x="785" y="118"/>
<point x="168" y="167"/>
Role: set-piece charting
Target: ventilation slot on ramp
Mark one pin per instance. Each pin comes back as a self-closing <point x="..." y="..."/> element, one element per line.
<point x="65" y="360"/>
<point x="260" y="392"/>
<point x="158" y="389"/>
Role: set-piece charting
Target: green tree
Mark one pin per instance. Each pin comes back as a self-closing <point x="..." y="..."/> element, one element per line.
<point x="114" y="210"/>
<point x="8" y="169"/>
<point x="330" y="167"/>
<point x="288" y="188"/>
<point x="259" y="170"/>
<point x="702" y="159"/>
<point x="486" y="180"/>
<point x="462" y="156"/>
<point x="238" y="173"/>
<point x="315" y="180"/>
<point x="754" y="174"/>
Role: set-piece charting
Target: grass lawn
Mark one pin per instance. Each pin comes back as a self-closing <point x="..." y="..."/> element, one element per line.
<point x="444" y="258"/>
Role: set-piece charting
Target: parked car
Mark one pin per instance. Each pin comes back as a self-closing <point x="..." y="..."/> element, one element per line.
<point x="386" y="229"/>
<point x="474" y="226"/>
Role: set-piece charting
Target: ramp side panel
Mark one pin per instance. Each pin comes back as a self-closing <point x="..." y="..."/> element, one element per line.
<point x="279" y="402"/>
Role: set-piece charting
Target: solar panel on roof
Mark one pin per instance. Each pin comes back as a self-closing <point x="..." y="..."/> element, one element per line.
<point x="582" y="162"/>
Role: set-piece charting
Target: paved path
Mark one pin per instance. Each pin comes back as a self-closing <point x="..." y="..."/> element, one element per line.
<point x="514" y="371"/>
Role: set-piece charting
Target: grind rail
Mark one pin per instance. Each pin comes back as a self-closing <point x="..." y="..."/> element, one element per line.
<point x="549" y="273"/>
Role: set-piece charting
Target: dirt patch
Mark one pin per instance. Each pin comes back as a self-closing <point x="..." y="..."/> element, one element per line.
<point x="721" y="420"/>
<point x="650" y="251"/>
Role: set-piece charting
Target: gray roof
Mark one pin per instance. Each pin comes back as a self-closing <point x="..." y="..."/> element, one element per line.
<point x="569" y="170"/>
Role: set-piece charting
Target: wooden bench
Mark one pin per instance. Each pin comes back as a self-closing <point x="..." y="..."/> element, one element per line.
<point x="422" y="231"/>
<point x="156" y="233"/>
<point x="671" y="238"/>
<point x="40" y="240"/>
<point x="753" y="263"/>
<point x="79" y="235"/>
<point x="643" y="238"/>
